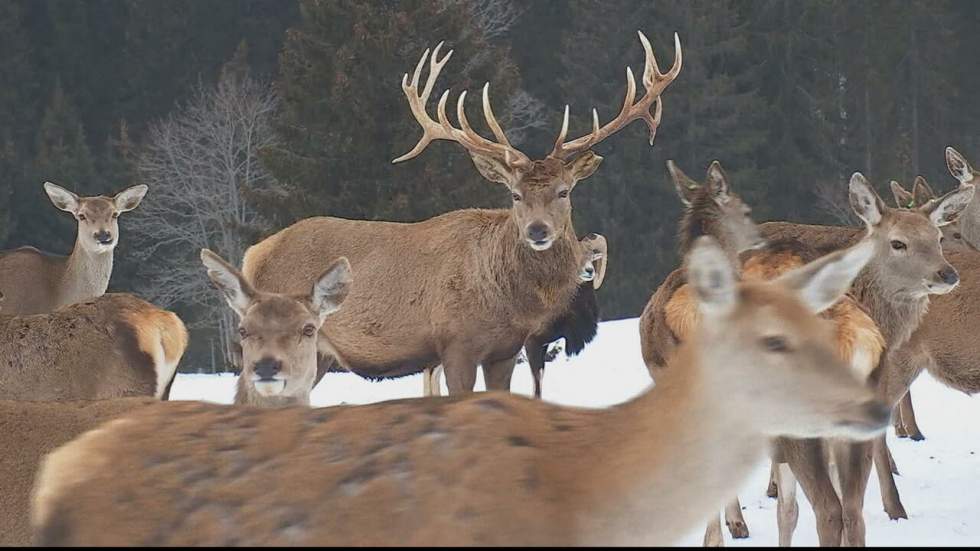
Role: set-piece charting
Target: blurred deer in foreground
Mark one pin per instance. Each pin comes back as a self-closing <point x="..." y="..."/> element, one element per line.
<point x="468" y="287"/>
<point x="37" y="282"/>
<point x="278" y="332"/>
<point x="492" y="468"/>
<point x="577" y="325"/>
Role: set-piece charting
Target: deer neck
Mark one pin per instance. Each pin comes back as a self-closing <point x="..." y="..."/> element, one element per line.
<point x="678" y="443"/>
<point x="533" y="281"/>
<point x="86" y="274"/>
<point x="896" y="312"/>
<point x="245" y="395"/>
<point x="970" y="223"/>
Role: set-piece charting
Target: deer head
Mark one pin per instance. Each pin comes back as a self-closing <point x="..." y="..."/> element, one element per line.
<point x="595" y="254"/>
<point x="540" y="189"/>
<point x="966" y="175"/>
<point x="908" y="257"/>
<point x="98" y="217"/>
<point x="787" y="364"/>
<point x="279" y="332"/>
<point x="713" y="209"/>
<point x="922" y="194"/>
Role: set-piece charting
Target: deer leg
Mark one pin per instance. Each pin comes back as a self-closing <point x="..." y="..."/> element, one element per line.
<point x="906" y="420"/>
<point x="854" y="465"/>
<point x="809" y="466"/>
<point x="535" y="359"/>
<point x="886" y="481"/>
<point x="712" y="533"/>
<point x="773" y="489"/>
<point x="431" y="377"/>
<point x="787" y="508"/>
<point x="497" y="374"/>
<point x="460" y="369"/>
<point x="735" y="521"/>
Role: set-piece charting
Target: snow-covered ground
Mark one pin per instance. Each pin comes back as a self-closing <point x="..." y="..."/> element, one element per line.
<point x="939" y="485"/>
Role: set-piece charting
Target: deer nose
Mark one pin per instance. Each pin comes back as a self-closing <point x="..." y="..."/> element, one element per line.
<point x="103" y="237"/>
<point x="538" y="232"/>
<point x="948" y="275"/>
<point x="878" y="412"/>
<point x="267" y="368"/>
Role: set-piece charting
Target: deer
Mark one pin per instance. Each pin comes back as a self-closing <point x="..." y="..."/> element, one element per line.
<point x="36" y="282"/>
<point x="467" y="287"/>
<point x="577" y="325"/>
<point x="278" y="331"/>
<point x="714" y="209"/>
<point x="535" y="473"/>
<point x="895" y="289"/>
<point x="113" y="346"/>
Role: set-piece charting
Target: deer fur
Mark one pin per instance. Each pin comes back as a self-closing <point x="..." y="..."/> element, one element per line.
<point x="278" y="331"/>
<point x="895" y="290"/>
<point x="113" y="346"/>
<point x="28" y="432"/>
<point x="36" y="282"/>
<point x="491" y="469"/>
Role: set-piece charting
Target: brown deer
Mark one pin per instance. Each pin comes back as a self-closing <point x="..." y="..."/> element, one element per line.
<point x="907" y="268"/>
<point x="113" y="346"/>
<point x="577" y="325"/>
<point x="278" y="332"/>
<point x="37" y="282"/>
<point x="28" y="432"/>
<point x="489" y="469"/>
<point x="713" y="209"/>
<point x="465" y="288"/>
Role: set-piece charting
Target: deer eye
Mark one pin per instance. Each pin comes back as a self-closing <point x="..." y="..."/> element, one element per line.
<point x="563" y="194"/>
<point x="115" y="215"/>
<point x="81" y="217"/>
<point x="957" y="235"/>
<point x="242" y="332"/>
<point x="517" y="197"/>
<point x="775" y="344"/>
<point x="899" y="246"/>
<point x="309" y="330"/>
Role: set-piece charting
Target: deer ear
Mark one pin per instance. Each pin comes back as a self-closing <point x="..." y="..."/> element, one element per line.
<point x="945" y="210"/>
<point x="61" y="197"/>
<point x="494" y="169"/>
<point x="822" y="282"/>
<point x="958" y="166"/>
<point x="128" y="199"/>
<point x="717" y="182"/>
<point x="686" y="187"/>
<point x="583" y="166"/>
<point x="865" y="202"/>
<point x="331" y="288"/>
<point x="922" y="191"/>
<point x="712" y="277"/>
<point x="903" y="198"/>
<point x="229" y="281"/>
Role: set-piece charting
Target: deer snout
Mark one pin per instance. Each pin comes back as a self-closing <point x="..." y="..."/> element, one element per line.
<point x="267" y="368"/>
<point x="878" y="413"/>
<point x="103" y="237"/>
<point x="539" y="235"/>
<point x="948" y="275"/>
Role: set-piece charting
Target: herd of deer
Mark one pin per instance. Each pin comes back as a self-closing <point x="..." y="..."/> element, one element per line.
<point x="786" y="341"/>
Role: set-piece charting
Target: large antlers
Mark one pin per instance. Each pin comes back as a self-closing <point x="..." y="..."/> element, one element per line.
<point x="655" y="83"/>
<point x="444" y="130"/>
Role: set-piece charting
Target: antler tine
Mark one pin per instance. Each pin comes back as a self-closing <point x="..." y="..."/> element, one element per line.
<point x="443" y="129"/>
<point x="498" y="132"/>
<point x="564" y="129"/>
<point x="654" y="81"/>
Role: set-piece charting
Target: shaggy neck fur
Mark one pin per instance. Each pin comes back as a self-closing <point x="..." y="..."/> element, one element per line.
<point x="86" y="274"/>
<point x="679" y="431"/>
<point x="245" y="395"/>
<point x="532" y="283"/>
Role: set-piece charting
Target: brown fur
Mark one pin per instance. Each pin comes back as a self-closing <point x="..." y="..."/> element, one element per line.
<point x="111" y="347"/>
<point x="30" y="430"/>
<point x="459" y="289"/>
<point x="456" y="470"/>
<point x="35" y="282"/>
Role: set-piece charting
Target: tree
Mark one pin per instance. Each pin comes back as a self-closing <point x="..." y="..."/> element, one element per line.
<point x="197" y="163"/>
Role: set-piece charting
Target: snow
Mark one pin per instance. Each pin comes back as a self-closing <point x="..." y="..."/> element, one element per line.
<point x="939" y="482"/>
